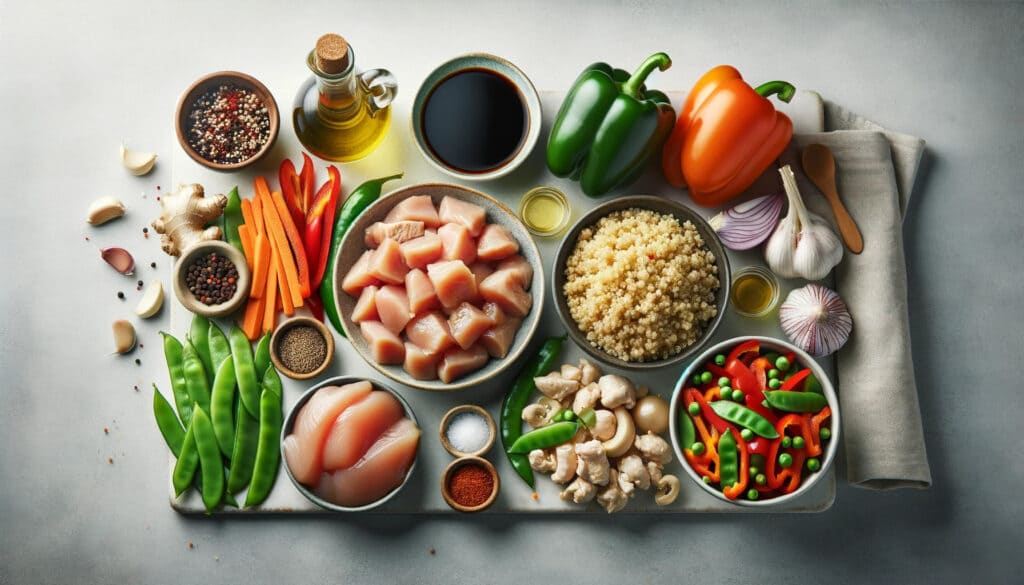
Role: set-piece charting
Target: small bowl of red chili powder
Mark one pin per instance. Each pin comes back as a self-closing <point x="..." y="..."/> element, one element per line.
<point x="212" y="279"/>
<point x="227" y="120"/>
<point x="470" y="484"/>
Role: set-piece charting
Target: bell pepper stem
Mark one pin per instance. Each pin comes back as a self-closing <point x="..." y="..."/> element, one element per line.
<point x="661" y="61"/>
<point x="780" y="89"/>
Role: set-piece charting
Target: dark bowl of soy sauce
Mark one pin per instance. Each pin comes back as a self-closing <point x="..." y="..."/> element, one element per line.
<point x="476" y="117"/>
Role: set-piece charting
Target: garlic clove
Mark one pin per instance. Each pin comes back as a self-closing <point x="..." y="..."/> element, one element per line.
<point x="137" y="163"/>
<point x="120" y="259"/>
<point x="105" y="209"/>
<point x="816" y="319"/>
<point x="151" y="300"/>
<point x="124" y="336"/>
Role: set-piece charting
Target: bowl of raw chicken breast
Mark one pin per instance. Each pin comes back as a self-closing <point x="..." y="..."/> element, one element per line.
<point x="439" y="286"/>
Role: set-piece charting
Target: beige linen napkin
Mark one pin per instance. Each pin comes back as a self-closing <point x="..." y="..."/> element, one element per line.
<point x="875" y="173"/>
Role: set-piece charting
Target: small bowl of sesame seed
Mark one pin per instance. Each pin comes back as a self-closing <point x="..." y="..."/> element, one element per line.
<point x="212" y="279"/>
<point x="301" y="348"/>
<point x="227" y="120"/>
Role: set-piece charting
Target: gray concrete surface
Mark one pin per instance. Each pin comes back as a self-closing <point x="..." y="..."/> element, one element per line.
<point x="78" y="78"/>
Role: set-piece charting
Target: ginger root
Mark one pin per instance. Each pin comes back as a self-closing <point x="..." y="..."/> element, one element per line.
<point x="184" y="216"/>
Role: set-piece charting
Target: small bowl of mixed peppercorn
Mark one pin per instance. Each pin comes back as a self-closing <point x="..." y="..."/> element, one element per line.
<point x="212" y="279"/>
<point x="227" y="120"/>
<point x="301" y="348"/>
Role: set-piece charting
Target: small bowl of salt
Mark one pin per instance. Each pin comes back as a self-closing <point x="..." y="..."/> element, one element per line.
<point x="467" y="430"/>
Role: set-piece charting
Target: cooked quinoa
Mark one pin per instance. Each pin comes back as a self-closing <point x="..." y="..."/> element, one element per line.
<point x="640" y="285"/>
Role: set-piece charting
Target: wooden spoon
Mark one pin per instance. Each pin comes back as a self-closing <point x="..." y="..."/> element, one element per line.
<point x="820" y="167"/>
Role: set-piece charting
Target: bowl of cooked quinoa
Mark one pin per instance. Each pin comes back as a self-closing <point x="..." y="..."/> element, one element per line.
<point x="641" y="282"/>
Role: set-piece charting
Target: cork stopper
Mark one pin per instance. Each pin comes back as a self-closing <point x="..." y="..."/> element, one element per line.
<point x="331" y="54"/>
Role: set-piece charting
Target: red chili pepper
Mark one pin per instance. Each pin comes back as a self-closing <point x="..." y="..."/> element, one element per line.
<point x="306" y="178"/>
<point x="290" y="191"/>
<point x="752" y="386"/>
<point x="316" y="307"/>
<point x="748" y="349"/>
<point x="795" y="379"/>
<point x="320" y="221"/>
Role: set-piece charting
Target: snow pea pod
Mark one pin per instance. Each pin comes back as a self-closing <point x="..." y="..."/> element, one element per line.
<point x="209" y="460"/>
<point x="218" y="345"/>
<point x="728" y="460"/>
<point x="789" y="401"/>
<point x="176" y="371"/>
<point x="243" y="455"/>
<point x="261" y="358"/>
<point x="188" y="460"/>
<point x="167" y="421"/>
<point x="745" y="417"/>
<point x="245" y="371"/>
<point x="544" y="437"/>
<point x="195" y="378"/>
<point x="268" y="450"/>
<point x="199" y="335"/>
<point x="272" y="382"/>
<point x="221" y="404"/>
<point x="687" y="432"/>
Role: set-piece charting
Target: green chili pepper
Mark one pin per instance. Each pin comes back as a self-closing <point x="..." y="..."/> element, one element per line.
<point x="544" y="437"/>
<point x="787" y="401"/>
<point x="728" y="460"/>
<point x="268" y="449"/>
<point x="515" y="401"/>
<point x="188" y="460"/>
<point x="687" y="432"/>
<point x="745" y="417"/>
<point x="221" y="403"/>
<point x="245" y="371"/>
<point x="219" y="348"/>
<point x="199" y="334"/>
<point x="167" y="421"/>
<point x="357" y="201"/>
<point x="243" y="454"/>
<point x="261" y="357"/>
<point x="209" y="460"/>
<point x="232" y="218"/>
<point x="176" y="370"/>
<point x="195" y="378"/>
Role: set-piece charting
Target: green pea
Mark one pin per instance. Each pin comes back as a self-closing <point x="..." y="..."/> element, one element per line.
<point x="825" y="434"/>
<point x="785" y="460"/>
<point x="774" y="384"/>
<point x="569" y="416"/>
<point x="719" y="360"/>
<point x="737" y="396"/>
<point x="725" y="393"/>
<point x="706" y="479"/>
<point x="813" y="464"/>
<point x="754" y="471"/>
<point x="693" y="409"/>
<point x="753" y="494"/>
<point x="787" y="442"/>
<point x="705" y="377"/>
<point x="746" y="434"/>
<point x="782" y="364"/>
<point x="760" y="479"/>
<point x="697" y="448"/>
<point x="773" y="374"/>
<point x="724" y="382"/>
<point x="798" y="442"/>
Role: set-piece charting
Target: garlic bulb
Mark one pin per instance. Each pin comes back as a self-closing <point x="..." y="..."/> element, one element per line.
<point x="803" y="245"/>
<point x="816" y="319"/>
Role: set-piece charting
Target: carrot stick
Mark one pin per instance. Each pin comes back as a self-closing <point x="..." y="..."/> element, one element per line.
<point x="270" y="300"/>
<point x="248" y="217"/>
<point x="278" y="260"/>
<point x="245" y="234"/>
<point x="281" y="250"/>
<point x="295" y="239"/>
<point x="253" y="318"/>
<point x="261" y="262"/>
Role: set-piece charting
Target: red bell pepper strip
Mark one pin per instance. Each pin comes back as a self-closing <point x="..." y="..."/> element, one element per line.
<point x="306" y="178"/>
<point x="752" y="386"/>
<point x="289" y="180"/>
<point x="713" y="393"/>
<point x="705" y="410"/>
<point x="795" y="379"/>
<point x="748" y="349"/>
<point x="312" y="230"/>
<point x="775" y="479"/>
<point x="793" y="474"/>
<point x="320" y="222"/>
<point x="813" y="437"/>
<point x="759" y="446"/>
<point x="717" y="371"/>
<point x="316" y="306"/>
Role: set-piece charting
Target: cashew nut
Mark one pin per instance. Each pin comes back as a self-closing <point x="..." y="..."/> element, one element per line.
<point x="565" y="467"/>
<point x="541" y="413"/>
<point x="668" y="490"/>
<point x="542" y="461"/>
<point x="587" y="397"/>
<point x="625" y="432"/>
<point x="579" y="491"/>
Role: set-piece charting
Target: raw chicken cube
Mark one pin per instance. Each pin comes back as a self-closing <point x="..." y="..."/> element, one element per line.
<point x="458" y="362"/>
<point x="386" y="263"/>
<point x="420" y="364"/>
<point x="399" y="231"/>
<point x="393" y="308"/>
<point x="415" y="208"/>
<point x="499" y="339"/>
<point x="359" y="275"/>
<point x="453" y="282"/>
<point x="496" y="243"/>
<point x="358" y="427"/>
<point x="429" y="331"/>
<point x="382" y="469"/>
<point x="421" y="293"/>
<point x="480" y="270"/>
<point x="467" y="323"/>
<point x="385" y="347"/>
<point x="494" y="311"/>
<point x="421" y="251"/>
<point x="521" y="267"/>
<point x="366" y="306"/>
<point x="303" y="448"/>
<point x="454" y="210"/>
<point x="456" y="243"/>
<point x="505" y="288"/>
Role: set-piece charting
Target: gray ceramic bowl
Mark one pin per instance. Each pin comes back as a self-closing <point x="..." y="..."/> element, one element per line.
<point x="189" y="301"/>
<point x="660" y="205"/>
<point x="290" y="422"/>
<point x="352" y="246"/>
<point x="496" y="65"/>
<point x="804" y="360"/>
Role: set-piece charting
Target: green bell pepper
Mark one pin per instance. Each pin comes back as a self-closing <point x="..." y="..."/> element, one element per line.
<point x="609" y="125"/>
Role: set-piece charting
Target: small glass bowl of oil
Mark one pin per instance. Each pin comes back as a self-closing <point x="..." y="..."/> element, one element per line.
<point x="755" y="291"/>
<point x="545" y="211"/>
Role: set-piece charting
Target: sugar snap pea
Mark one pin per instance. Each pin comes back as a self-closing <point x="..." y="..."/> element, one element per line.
<point x="544" y="437"/>
<point x="218" y="345"/>
<point x="199" y="335"/>
<point x="167" y="422"/>
<point x="195" y="378"/>
<point x="176" y="371"/>
<point x="261" y="357"/>
<point x="745" y="417"/>
<point x="687" y="432"/>
<point x="221" y="403"/>
<point x="268" y="452"/>
<point x="728" y="460"/>
<point x="789" y="401"/>
<point x="245" y="371"/>
<point x="231" y="219"/>
<point x="272" y="382"/>
<point x="188" y="460"/>
<point x="243" y="455"/>
<point x="209" y="459"/>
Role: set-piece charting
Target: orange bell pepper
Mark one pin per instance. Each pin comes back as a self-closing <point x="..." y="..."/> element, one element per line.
<point x="726" y="136"/>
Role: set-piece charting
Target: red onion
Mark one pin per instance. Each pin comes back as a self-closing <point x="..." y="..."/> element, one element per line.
<point x="748" y="224"/>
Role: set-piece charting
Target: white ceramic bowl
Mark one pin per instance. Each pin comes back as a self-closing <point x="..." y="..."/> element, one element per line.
<point x="830" y="447"/>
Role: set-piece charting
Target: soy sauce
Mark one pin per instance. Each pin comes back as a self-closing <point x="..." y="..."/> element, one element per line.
<point x="475" y="120"/>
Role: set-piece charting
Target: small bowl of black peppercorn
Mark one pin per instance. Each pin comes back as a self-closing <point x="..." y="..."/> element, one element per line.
<point x="212" y="279"/>
<point x="301" y="348"/>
